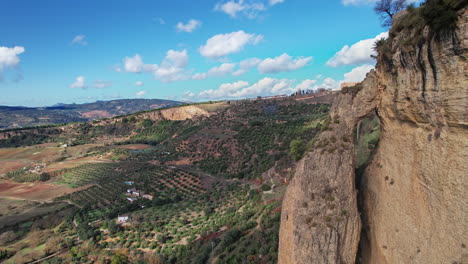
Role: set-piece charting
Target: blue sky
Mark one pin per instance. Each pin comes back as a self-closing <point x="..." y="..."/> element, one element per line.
<point x="55" y="51"/>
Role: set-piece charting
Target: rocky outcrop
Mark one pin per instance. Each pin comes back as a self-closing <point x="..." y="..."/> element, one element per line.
<point x="412" y="196"/>
<point x="414" y="203"/>
<point x="320" y="222"/>
<point x="177" y="113"/>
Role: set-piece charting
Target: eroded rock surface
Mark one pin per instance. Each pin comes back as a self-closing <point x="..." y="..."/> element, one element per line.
<point x="413" y="194"/>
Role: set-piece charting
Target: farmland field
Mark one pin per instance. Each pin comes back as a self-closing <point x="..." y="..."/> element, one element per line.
<point x="205" y="190"/>
<point x="32" y="191"/>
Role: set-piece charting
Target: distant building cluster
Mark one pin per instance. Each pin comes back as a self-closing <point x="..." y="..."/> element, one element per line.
<point x="135" y="193"/>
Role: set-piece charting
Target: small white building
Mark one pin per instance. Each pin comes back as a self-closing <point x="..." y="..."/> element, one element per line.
<point x="122" y="219"/>
<point x="131" y="199"/>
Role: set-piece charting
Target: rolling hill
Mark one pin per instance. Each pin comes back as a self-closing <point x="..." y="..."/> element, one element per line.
<point x="18" y="116"/>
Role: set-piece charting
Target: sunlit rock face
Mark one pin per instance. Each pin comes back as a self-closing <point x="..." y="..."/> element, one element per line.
<point x="411" y="201"/>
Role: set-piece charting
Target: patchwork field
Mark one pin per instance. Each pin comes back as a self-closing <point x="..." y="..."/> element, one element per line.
<point x="51" y="154"/>
<point x="32" y="191"/>
<point x="206" y="189"/>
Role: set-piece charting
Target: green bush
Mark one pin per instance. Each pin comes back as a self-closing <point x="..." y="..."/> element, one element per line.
<point x="440" y="15"/>
<point x="297" y="149"/>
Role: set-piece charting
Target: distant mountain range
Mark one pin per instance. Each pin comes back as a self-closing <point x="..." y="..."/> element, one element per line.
<point x="16" y="117"/>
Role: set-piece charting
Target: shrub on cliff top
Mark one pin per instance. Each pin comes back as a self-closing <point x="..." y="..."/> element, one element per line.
<point x="440" y="15"/>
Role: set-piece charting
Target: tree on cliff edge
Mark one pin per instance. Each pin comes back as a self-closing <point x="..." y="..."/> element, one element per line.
<point x="386" y="9"/>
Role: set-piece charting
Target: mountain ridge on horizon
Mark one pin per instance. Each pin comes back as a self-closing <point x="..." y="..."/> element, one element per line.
<point x="21" y="116"/>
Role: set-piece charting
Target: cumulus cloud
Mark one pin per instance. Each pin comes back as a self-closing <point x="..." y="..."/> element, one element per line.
<point x="171" y="68"/>
<point x="140" y="94"/>
<point x="282" y="63"/>
<point x="221" y="70"/>
<point x="274" y="2"/>
<point x="139" y="83"/>
<point x="246" y="65"/>
<point x="250" y="9"/>
<point x="191" y="25"/>
<point x="175" y="58"/>
<point x="79" y="83"/>
<point x="79" y="40"/>
<point x="233" y="8"/>
<point x="241" y="89"/>
<point x="224" y="90"/>
<point x="271" y="86"/>
<point x="358" y="74"/>
<point x="9" y="57"/>
<point x="224" y="44"/>
<point x="200" y="76"/>
<point x="306" y="85"/>
<point x="358" y="53"/>
<point x="99" y="84"/>
<point x="135" y="64"/>
<point x="330" y="83"/>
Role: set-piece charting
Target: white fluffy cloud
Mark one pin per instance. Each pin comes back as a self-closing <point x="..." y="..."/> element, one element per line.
<point x="200" y="76"/>
<point x="232" y="8"/>
<point x="175" y="58"/>
<point x="224" y="90"/>
<point x="250" y="9"/>
<point x="139" y="83"/>
<point x="80" y="40"/>
<point x="140" y="94"/>
<point x="241" y="89"/>
<point x="9" y="57"/>
<point x="191" y="25"/>
<point x="135" y="64"/>
<point x="271" y="86"/>
<point x="358" y="74"/>
<point x="306" y="85"/>
<point x="330" y="83"/>
<point x="221" y="70"/>
<point x="224" y="44"/>
<point x="358" y="53"/>
<point x="282" y="63"/>
<point x="99" y="84"/>
<point x="274" y="2"/>
<point x="171" y="68"/>
<point x="79" y="83"/>
<point x="246" y="65"/>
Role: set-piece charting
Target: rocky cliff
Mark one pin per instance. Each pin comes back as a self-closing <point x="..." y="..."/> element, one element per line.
<point x="411" y="201"/>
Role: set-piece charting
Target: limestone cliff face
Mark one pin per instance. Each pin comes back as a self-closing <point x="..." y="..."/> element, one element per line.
<point x="412" y="197"/>
<point x="414" y="194"/>
<point x="320" y="222"/>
